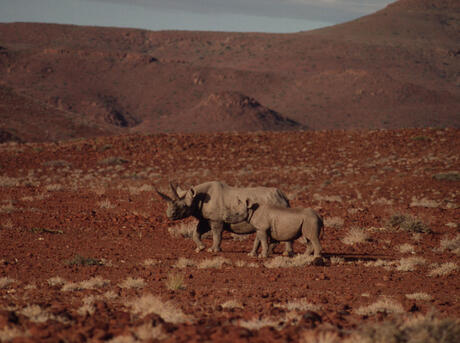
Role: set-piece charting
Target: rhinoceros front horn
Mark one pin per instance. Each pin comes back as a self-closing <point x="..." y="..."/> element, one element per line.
<point x="164" y="196"/>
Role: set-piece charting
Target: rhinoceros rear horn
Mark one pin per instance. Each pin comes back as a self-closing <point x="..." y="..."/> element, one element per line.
<point x="174" y="190"/>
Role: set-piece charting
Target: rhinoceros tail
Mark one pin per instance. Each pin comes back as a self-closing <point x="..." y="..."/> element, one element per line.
<point x="321" y="227"/>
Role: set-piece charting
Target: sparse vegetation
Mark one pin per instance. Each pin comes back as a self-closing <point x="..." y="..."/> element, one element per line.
<point x="408" y="223"/>
<point x="79" y="260"/>
<point x="448" y="176"/>
<point x="148" y="304"/>
<point x="131" y="282"/>
<point x="443" y="269"/>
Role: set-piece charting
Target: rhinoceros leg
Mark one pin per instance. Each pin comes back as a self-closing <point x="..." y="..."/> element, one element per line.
<point x="255" y="246"/>
<point x="262" y="236"/>
<point x="288" y="250"/>
<point x="216" y="228"/>
<point x="201" y="228"/>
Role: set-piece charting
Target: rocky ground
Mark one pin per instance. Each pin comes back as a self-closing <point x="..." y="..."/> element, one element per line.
<point x="87" y="253"/>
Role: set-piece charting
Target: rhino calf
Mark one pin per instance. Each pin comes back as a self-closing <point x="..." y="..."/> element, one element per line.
<point x="285" y="224"/>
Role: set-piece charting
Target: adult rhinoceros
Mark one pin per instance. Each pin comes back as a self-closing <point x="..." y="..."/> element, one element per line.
<point x="218" y="207"/>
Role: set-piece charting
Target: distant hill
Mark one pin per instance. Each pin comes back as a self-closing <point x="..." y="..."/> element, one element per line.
<point x="396" y="68"/>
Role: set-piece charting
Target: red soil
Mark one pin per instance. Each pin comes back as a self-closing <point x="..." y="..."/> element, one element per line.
<point x="94" y="198"/>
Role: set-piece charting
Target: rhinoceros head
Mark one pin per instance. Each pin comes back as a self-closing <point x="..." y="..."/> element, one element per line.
<point x="179" y="205"/>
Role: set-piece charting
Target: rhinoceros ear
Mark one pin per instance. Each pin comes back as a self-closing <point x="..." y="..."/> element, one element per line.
<point x="251" y="205"/>
<point x="190" y="196"/>
<point x="180" y="192"/>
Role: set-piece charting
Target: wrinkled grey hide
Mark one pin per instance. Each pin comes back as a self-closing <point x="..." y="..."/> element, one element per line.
<point x="285" y="224"/>
<point x="220" y="207"/>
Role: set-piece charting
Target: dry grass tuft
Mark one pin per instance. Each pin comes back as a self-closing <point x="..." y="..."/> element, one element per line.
<point x="384" y="305"/>
<point x="6" y="282"/>
<point x="419" y="296"/>
<point x="184" y="262"/>
<point x="409" y="264"/>
<point x="407" y="223"/>
<point x="299" y="305"/>
<point x="216" y="262"/>
<point x="8" y="334"/>
<point x="311" y="336"/>
<point x="406" y="248"/>
<point x="132" y="283"/>
<point x="451" y="244"/>
<point x="335" y="222"/>
<point x="175" y="281"/>
<point x="231" y="304"/>
<point x="56" y="281"/>
<point x="185" y="230"/>
<point x="149" y="304"/>
<point x="443" y="269"/>
<point x="356" y="235"/>
<point x="287" y="262"/>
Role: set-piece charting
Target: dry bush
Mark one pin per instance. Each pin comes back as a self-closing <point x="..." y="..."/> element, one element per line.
<point x="175" y="281"/>
<point x="327" y="198"/>
<point x="184" y="262"/>
<point x="230" y="304"/>
<point x="420" y="329"/>
<point x="37" y="314"/>
<point x="242" y="263"/>
<point x="424" y="202"/>
<point x="419" y="296"/>
<point x="384" y="305"/>
<point x="408" y="264"/>
<point x="10" y="333"/>
<point x="443" y="269"/>
<point x="406" y="248"/>
<point x="298" y="305"/>
<point x="335" y="222"/>
<point x="355" y="235"/>
<point x="94" y="282"/>
<point x="151" y="262"/>
<point x="447" y="176"/>
<point x="450" y="244"/>
<point x="381" y="263"/>
<point x="216" y="262"/>
<point x="407" y="223"/>
<point x="106" y="204"/>
<point x="5" y="282"/>
<point x="79" y="260"/>
<point x="258" y="323"/>
<point x="287" y="262"/>
<point x="132" y="283"/>
<point x="56" y="281"/>
<point x="149" y="304"/>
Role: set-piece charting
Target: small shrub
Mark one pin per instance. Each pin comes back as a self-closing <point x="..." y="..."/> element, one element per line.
<point x="450" y="244"/>
<point x="231" y="304"/>
<point x="175" y="282"/>
<point x="443" y="269"/>
<point x="299" y="305"/>
<point x="216" y="262"/>
<point x="287" y="262"/>
<point x="45" y="230"/>
<point x="409" y="264"/>
<point x="406" y="248"/>
<point x="184" y="262"/>
<point x="384" y="305"/>
<point x="56" y="281"/>
<point x="356" y="235"/>
<point x="149" y="304"/>
<point x="79" y="260"/>
<point x="448" y="176"/>
<point x="419" y="296"/>
<point x="5" y="282"/>
<point x="132" y="283"/>
<point x="408" y="223"/>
